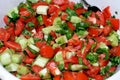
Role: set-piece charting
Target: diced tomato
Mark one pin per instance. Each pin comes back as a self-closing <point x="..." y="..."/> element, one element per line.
<point x="25" y="13"/>
<point x="79" y="11"/>
<point x="52" y="9"/>
<point x="106" y="30"/>
<point x="102" y="39"/>
<point x="60" y="2"/>
<point x="57" y="77"/>
<point x="19" y="27"/>
<point x="81" y="76"/>
<point x="99" y="77"/>
<point x="4" y="35"/>
<point x="67" y="75"/>
<point x="39" y="28"/>
<point x="47" y="21"/>
<point x="30" y="54"/>
<point x="70" y="25"/>
<point x="106" y="12"/>
<point x="71" y="5"/>
<point x="112" y="69"/>
<point x="53" y="68"/>
<point x="53" y="34"/>
<point x="73" y="60"/>
<point x="64" y="16"/>
<point x="40" y="44"/>
<point x="115" y="51"/>
<point x="103" y="62"/>
<point x="56" y="49"/>
<point x="30" y="77"/>
<point x="63" y="7"/>
<point x="36" y="68"/>
<point x="13" y="45"/>
<point x="93" y="71"/>
<point x="100" y="18"/>
<point x="28" y="60"/>
<point x="2" y="49"/>
<point x="47" y="51"/>
<point x="115" y="23"/>
<point x="39" y="35"/>
<point x="6" y="19"/>
<point x="11" y="31"/>
<point x="93" y="32"/>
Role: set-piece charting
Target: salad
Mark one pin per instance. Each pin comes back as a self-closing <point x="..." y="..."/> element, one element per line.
<point x="59" y="40"/>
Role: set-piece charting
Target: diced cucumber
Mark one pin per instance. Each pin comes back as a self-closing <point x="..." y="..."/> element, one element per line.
<point x="33" y="1"/>
<point x="55" y="45"/>
<point x="48" y="1"/>
<point x="22" y="70"/>
<point x="22" y="41"/>
<point x="59" y="58"/>
<point x="75" y="19"/>
<point x="61" y="40"/>
<point x="77" y="67"/>
<point x="57" y="21"/>
<point x="42" y="10"/>
<point x="45" y="74"/>
<point x="30" y="41"/>
<point x="15" y="10"/>
<point x="5" y="57"/>
<point x="113" y="37"/>
<point x="82" y="33"/>
<point x="95" y="64"/>
<point x="70" y="54"/>
<point x="34" y="47"/>
<point x="41" y="61"/>
<point x="16" y="58"/>
<point x="103" y="45"/>
<point x="12" y="67"/>
<point x="48" y="29"/>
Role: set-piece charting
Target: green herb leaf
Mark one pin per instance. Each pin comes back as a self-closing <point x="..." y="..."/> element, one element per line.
<point x="78" y="5"/>
<point x="30" y="24"/>
<point x="82" y="25"/>
<point x="115" y="60"/>
<point x="93" y="58"/>
<point x="103" y="50"/>
<point x="71" y="12"/>
<point x="86" y="14"/>
<point x="26" y="32"/>
<point x="104" y="70"/>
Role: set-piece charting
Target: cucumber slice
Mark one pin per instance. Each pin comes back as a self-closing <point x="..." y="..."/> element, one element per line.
<point x="42" y="10"/>
<point x="48" y="29"/>
<point x="45" y="74"/>
<point x="13" y="10"/>
<point x="77" y="67"/>
<point x="75" y="19"/>
<point x="12" y="67"/>
<point x="41" y="61"/>
<point x="70" y="54"/>
<point x="16" y="58"/>
<point x="61" y="40"/>
<point x="34" y="47"/>
<point x="22" y="70"/>
<point x="30" y="41"/>
<point x="22" y="41"/>
<point x="5" y="57"/>
<point x="57" y="21"/>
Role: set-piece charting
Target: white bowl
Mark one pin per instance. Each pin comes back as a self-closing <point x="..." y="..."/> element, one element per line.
<point x="6" y="5"/>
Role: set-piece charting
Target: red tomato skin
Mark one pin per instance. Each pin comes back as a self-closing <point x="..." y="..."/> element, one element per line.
<point x="106" y="12"/>
<point x="28" y="60"/>
<point x="64" y="16"/>
<point x="47" y="51"/>
<point x="39" y="28"/>
<point x="6" y="19"/>
<point x="19" y="27"/>
<point x="115" y="23"/>
<point x="4" y="35"/>
<point x="30" y="77"/>
<point x="11" y="31"/>
<point x="93" y="32"/>
<point x="106" y="30"/>
<point x="2" y="49"/>
<point x="115" y="51"/>
<point x="39" y="35"/>
<point x="52" y="9"/>
<point x="13" y="45"/>
<point x="99" y="77"/>
<point x="57" y="77"/>
<point x="30" y="54"/>
<point x="70" y="25"/>
<point x="36" y="68"/>
<point x="79" y="11"/>
<point x="53" y="34"/>
<point x="81" y="76"/>
<point x="59" y="2"/>
<point x="68" y="76"/>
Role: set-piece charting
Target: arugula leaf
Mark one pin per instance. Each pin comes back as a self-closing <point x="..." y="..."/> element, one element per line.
<point x="103" y="50"/>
